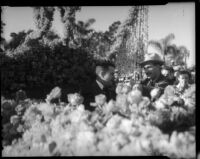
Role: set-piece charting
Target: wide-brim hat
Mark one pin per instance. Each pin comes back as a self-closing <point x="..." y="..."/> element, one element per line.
<point x="152" y="58"/>
<point x="154" y="55"/>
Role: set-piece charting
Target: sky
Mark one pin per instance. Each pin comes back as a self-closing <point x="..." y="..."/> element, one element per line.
<point x="177" y="18"/>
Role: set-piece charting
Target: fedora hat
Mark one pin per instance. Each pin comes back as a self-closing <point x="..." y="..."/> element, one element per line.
<point x="153" y="58"/>
<point x="154" y="54"/>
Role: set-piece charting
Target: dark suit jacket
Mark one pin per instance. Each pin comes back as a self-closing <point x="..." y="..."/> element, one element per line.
<point x="171" y="81"/>
<point x="89" y="91"/>
<point x="148" y="85"/>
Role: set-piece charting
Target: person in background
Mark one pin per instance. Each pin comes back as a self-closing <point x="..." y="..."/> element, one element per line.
<point x="165" y="71"/>
<point x="103" y="84"/>
<point x="152" y="66"/>
<point x="177" y="69"/>
<point x="192" y="77"/>
<point x="170" y="53"/>
<point x="116" y="76"/>
<point x="183" y="81"/>
<point x="192" y="72"/>
<point x="168" y="72"/>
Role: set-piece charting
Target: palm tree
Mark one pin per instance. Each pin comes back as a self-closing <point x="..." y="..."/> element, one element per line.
<point x="3" y="41"/>
<point x="167" y="40"/>
<point x="68" y="19"/>
<point x="16" y="40"/>
<point x="83" y="29"/>
<point x="43" y="19"/>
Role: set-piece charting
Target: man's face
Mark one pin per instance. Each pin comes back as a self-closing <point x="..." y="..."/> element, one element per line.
<point x="170" y="56"/>
<point x="171" y="52"/>
<point x="116" y="76"/>
<point x="152" y="71"/>
<point x="171" y="75"/>
<point x="108" y="76"/>
<point x="183" y="79"/>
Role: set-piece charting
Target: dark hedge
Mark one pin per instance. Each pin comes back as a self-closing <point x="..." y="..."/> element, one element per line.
<point x="38" y="69"/>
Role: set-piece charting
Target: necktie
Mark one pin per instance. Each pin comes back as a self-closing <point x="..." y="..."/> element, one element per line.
<point x="106" y="90"/>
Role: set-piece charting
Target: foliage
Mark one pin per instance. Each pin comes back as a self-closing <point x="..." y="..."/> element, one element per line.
<point x="43" y="18"/>
<point x="2" y="26"/>
<point x="41" y="59"/>
<point x="16" y="40"/>
<point x="83" y="34"/>
<point x="167" y="40"/>
<point x="41" y="66"/>
<point x="179" y="56"/>
<point x="68" y="19"/>
<point x="131" y="38"/>
<point x="42" y="15"/>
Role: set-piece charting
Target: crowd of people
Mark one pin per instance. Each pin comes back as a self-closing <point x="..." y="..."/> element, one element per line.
<point x="157" y="76"/>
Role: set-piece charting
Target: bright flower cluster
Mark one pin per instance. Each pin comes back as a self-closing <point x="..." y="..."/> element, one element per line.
<point x="130" y="126"/>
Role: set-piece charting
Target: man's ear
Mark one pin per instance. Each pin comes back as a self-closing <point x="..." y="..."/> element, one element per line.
<point x="102" y="73"/>
<point x="99" y="71"/>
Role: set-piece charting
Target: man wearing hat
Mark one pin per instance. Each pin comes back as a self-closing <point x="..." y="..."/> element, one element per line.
<point x="152" y="67"/>
<point x="103" y="84"/>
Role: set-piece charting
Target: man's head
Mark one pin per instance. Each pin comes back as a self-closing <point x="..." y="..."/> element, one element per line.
<point x="170" y="50"/>
<point x="152" y="61"/>
<point x="116" y="74"/>
<point x="184" y="77"/>
<point x="152" y="71"/>
<point x="105" y="70"/>
<point x="170" y="53"/>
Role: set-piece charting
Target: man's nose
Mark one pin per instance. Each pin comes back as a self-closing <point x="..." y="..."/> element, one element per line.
<point x="146" y="70"/>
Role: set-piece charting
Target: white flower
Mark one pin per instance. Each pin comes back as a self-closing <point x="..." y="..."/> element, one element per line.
<point x="145" y="144"/>
<point x="144" y="103"/>
<point x="14" y="119"/>
<point x="75" y="99"/>
<point x="169" y="91"/>
<point x="126" y="89"/>
<point x="155" y="93"/>
<point x="113" y="122"/>
<point x="159" y="104"/>
<point x="126" y="125"/>
<point x="55" y="93"/>
<point x="81" y="108"/>
<point x="119" y="88"/>
<point x="108" y="107"/>
<point x="76" y="116"/>
<point x="100" y="99"/>
<point x="134" y="96"/>
<point x="121" y="102"/>
<point x="45" y="108"/>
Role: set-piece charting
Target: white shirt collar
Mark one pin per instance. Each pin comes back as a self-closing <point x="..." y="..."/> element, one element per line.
<point x="100" y="84"/>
